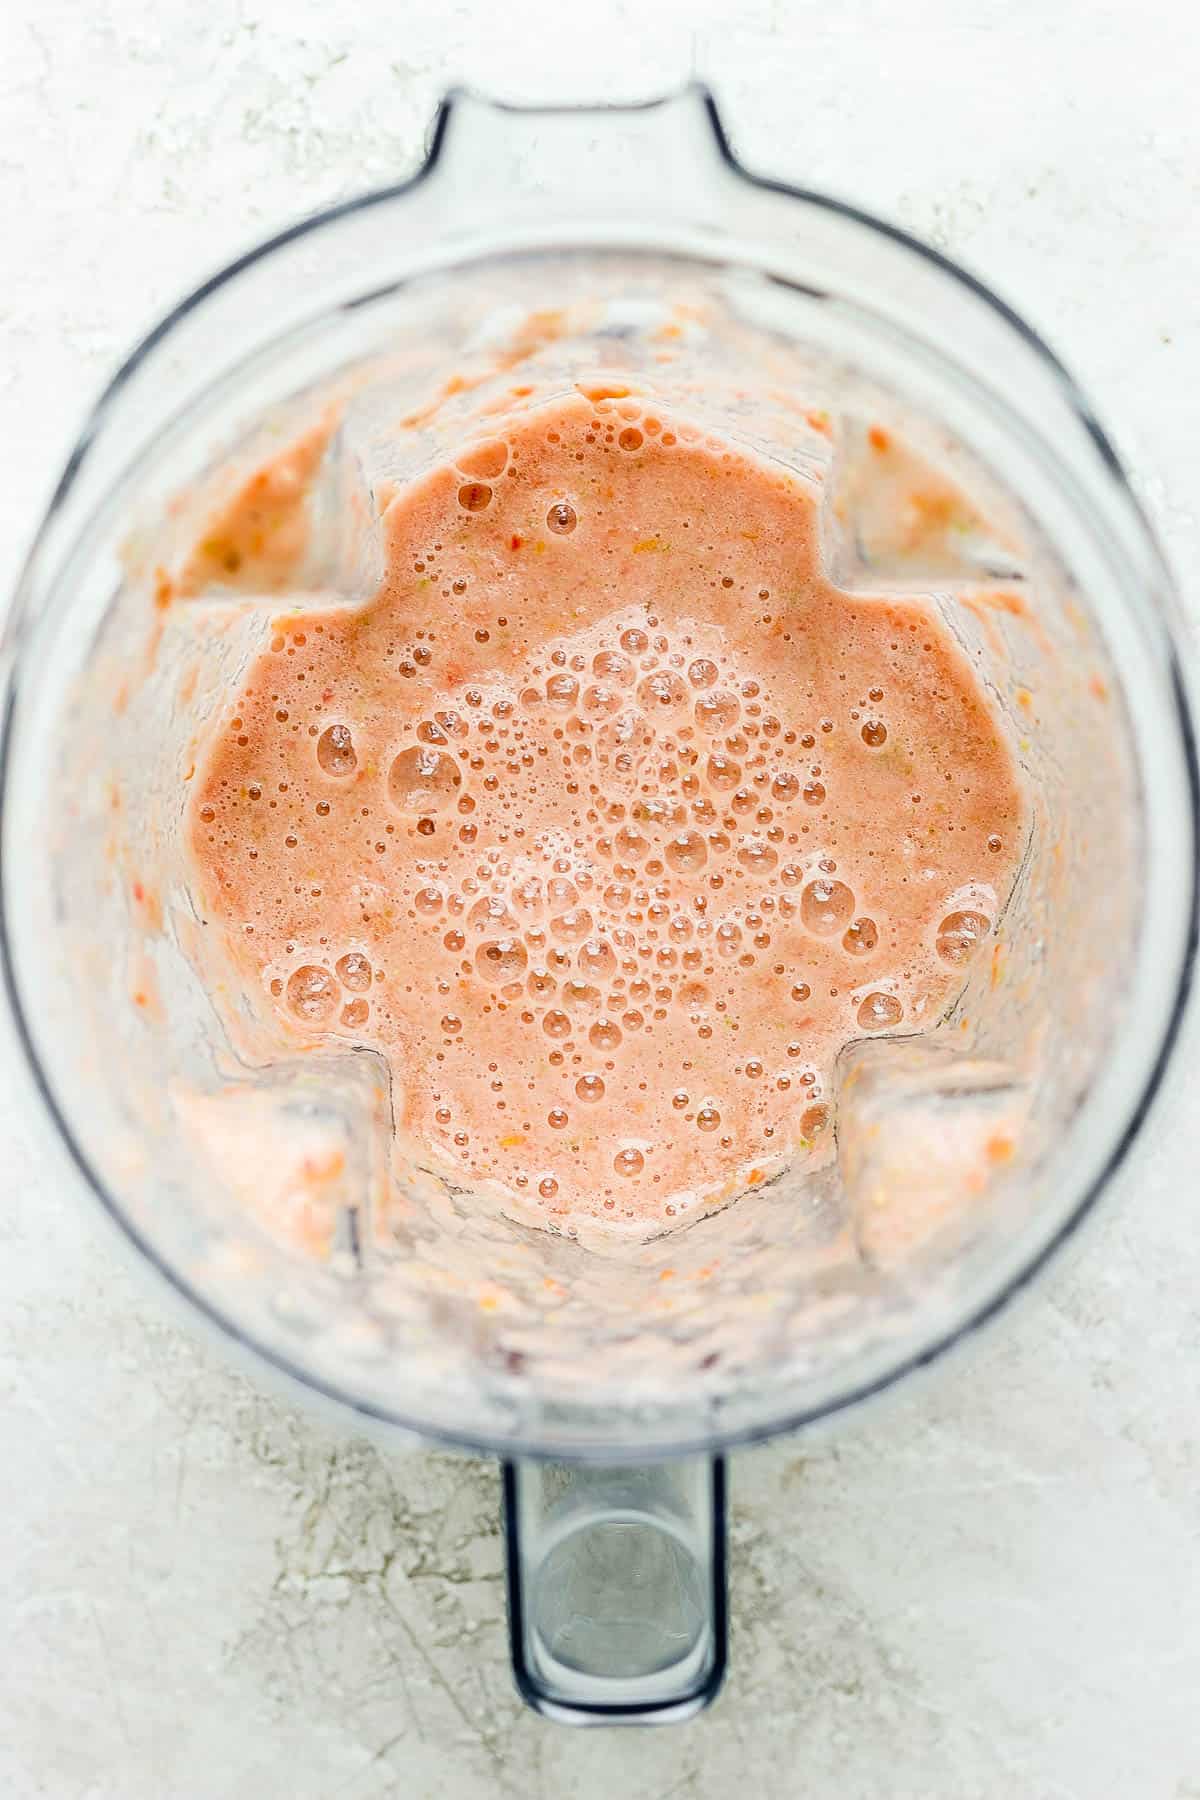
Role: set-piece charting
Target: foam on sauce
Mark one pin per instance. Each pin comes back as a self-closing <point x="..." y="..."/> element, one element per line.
<point x="608" y="820"/>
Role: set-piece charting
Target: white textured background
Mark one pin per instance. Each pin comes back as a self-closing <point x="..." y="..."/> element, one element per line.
<point x="988" y="1587"/>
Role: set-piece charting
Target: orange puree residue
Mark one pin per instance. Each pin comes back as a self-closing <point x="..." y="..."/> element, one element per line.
<point x="608" y="820"/>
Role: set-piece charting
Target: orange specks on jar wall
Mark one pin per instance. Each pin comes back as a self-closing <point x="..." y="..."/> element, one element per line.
<point x="144" y="989"/>
<point x="259" y="537"/>
<point x="148" y="907"/>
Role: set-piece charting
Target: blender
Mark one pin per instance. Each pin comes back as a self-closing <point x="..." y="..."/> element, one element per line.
<point x="537" y="251"/>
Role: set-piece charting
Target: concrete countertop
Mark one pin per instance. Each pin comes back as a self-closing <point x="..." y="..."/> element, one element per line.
<point x="987" y="1586"/>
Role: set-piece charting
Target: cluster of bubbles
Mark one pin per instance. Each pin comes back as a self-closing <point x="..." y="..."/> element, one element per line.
<point x="313" y="993"/>
<point x="614" y="847"/>
<point x="645" y="815"/>
<point x="484" y="463"/>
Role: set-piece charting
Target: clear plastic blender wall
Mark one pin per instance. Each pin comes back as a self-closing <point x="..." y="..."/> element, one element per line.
<point x="272" y="1186"/>
<point x="538" y="252"/>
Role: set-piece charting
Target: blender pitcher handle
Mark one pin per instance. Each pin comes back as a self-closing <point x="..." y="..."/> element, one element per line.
<point x="616" y="1589"/>
<point x="548" y="166"/>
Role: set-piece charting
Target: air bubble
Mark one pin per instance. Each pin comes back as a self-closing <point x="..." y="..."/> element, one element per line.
<point x="556" y="1024"/>
<point x="596" y="958"/>
<point x="686" y="852"/>
<point x="814" y="793"/>
<point x="960" y="934"/>
<point x="878" y="1011"/>
<point x="629" y="1161"/>
<point x="423" y="780"/>
<point x="573" y="925"/>
<point x="722" y="771"/>
<point x="605" y="1034"/>
<point x="702" y="673"/>
<point x="428" y="900"/>
<point x="631" y="845"/>
<point x="653" y="811"/>
<point x="335" y="751"/>
<point x="826" y="906"/>
<point x="861" y="937"/>
<point x="708" y="1118"/>
<point x="813" y="1121"/>
<point x="717" y="712"/>
<point x="601" y="701"/>
<point x="757" y="859"/>
<point x="491" y="913"/>
<point x="590" y="1087"/>
<point x="501" y="959"/>
<point x="356" y="1012"/>
<point x="874" y="733"/>
<point x="611" y="666"/>
<point x="786" y="786"/>
<point x="354" y="972"/>
<point x="474" y="496"/>
<point x="562" y="518"/>
<point x="661" y="691"/>
<point x="312" y="993"/>
<point x="561" y="690"/>
<point x="634" y="641"/>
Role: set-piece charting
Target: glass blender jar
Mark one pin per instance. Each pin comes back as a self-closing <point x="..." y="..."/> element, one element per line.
<point x="569" y="246"/>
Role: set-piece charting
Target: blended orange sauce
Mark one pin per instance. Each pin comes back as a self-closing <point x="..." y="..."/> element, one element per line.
<point x="608" y="820"/>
